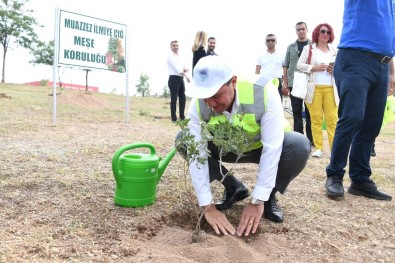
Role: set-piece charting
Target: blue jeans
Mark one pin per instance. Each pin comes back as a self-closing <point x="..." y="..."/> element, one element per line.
<point x="362" y="84"/>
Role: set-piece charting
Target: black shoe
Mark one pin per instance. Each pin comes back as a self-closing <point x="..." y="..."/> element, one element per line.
<point x="368" y="190"/>
<point x="334" y="187"/>
<point x="272" y="211"/>
<point x="373" y="152"/>
<point x="231" y="196"/>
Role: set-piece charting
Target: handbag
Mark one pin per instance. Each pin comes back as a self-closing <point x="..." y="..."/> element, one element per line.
<point x="299" y="88"/>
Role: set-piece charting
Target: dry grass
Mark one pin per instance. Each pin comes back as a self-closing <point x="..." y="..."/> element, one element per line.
<point x="57" y="188"/>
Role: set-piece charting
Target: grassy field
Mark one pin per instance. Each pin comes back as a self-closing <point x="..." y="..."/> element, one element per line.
<point x="57" y="190"/>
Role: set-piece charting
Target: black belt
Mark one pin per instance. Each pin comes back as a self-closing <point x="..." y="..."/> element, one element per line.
<point x="380" y="58"/>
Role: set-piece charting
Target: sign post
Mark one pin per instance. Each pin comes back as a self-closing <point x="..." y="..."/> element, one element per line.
<point x="89" y="43"/>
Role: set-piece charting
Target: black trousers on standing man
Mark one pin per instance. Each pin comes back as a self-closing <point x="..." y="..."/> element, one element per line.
<point x="297" y="109"/>
<point x="177" y="90"/>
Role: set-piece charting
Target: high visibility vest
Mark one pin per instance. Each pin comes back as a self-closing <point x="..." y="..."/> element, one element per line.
<point x="253" y="102"/>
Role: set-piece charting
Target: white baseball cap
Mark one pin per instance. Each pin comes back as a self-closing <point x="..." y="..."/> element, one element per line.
<point x="209" y="74"/>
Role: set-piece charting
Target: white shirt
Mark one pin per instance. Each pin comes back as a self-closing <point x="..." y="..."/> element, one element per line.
<point x="323" y="77"/>
<point x="271" y="64"/>
<point x="175" y="64"/>
<point x="272" y="133"/>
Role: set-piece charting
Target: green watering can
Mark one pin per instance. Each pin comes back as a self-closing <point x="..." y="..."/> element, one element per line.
<point x="137" y="175"/>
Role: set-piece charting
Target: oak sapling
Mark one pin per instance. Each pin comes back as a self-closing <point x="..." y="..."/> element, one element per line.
<point x="226" y="137"/>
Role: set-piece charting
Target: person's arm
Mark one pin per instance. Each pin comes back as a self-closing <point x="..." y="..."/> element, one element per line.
<point x="199" y="172"/>
<point x="175" y="64"/>
<point x="285" y="72"/>
<point x="171" y="63"/>
<point x="201" y="181"/>
<point x="285" y="89"/>
<point x="391" y="83"/>
<point x="302" y="62"/>
<point x="258" y="69"/>
<point x="184" y="74"/>
<point x="272" y="132"/>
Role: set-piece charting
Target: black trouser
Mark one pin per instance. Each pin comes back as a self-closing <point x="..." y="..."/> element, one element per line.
<point x="177" y="90"/>
<point x="280" y="88"/>
<point x="293" y="159"/>
<point x="297" y="109"/>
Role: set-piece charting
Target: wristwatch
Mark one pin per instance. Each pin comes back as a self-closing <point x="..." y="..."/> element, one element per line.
<point x="255" y="201"/>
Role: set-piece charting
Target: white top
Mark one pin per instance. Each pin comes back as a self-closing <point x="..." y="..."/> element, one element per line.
<point x="272" y="133"/>
<point x="175" y="64"/>
<point x="323" y="77"/>
<point x="271" y="64"/>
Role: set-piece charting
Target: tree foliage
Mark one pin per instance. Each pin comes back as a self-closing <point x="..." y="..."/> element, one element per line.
<point x="166" y="92"/>
<point x="227" y="137"/>
<point x="115" y="55"/>
<point x="43" y="53"/>
<point x="143" y="85"/>
<point x="17" y="25"/>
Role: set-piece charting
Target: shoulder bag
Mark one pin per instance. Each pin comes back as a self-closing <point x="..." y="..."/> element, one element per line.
<point x="299" y="88"/>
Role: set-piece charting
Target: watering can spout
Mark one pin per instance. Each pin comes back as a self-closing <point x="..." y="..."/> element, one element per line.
<point x="165" y="161"/>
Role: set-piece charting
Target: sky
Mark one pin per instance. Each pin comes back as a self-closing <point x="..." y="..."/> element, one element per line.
<point x="240" y="28"/>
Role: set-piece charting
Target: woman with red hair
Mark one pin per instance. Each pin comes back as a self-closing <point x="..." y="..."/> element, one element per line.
<point x="322" y="99"/>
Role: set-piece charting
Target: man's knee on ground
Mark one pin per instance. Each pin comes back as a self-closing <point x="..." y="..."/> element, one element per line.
<point x="297" y="144"/>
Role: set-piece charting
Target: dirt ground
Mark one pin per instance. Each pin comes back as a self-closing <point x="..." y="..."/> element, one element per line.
<point x="57" y="195"/>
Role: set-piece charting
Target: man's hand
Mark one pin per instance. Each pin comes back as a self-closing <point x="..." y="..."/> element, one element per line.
<point x="391" y="83"/>
<point x="250" y="219"/>
<point x="391" y="86"/>
<point x="218" y="221"/>
<point x="285" y="91"/>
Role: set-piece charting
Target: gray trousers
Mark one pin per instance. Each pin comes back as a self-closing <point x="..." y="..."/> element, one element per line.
<point x="294" y="156"/>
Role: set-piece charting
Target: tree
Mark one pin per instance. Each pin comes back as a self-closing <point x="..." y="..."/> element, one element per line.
<point x="143" y="85"/>
<point x="228" y="138"/>
<point x="165" y="93"/>
<point x="16" y="26"/>
<point x="43" y="53"/>
<point x="115" y="55"/>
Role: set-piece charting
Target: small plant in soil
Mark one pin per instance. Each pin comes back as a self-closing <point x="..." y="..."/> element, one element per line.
<point x="226" y="137"/>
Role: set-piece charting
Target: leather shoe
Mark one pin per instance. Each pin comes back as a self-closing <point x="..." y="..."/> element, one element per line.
<point x="272" y="211"/>
<point x="369" y="190"/>
<point x="373" y="152"/>
<point x="231" y="196"/>
<point x="334" y="187"/>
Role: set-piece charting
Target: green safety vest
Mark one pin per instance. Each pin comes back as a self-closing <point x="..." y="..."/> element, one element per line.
<point x="253" y="102"/>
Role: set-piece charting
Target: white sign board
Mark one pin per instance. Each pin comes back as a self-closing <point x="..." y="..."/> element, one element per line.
<point x="89" y="42"/>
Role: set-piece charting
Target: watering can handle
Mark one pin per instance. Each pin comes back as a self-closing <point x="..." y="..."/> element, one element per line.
<point x="123" y="149"/>
<point x="134" y="146"/>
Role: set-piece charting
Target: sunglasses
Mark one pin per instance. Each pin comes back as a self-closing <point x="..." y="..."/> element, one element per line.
<point x="301" y="29"/>
<point x="323" y="31"/>
<point x="270" y="40"/>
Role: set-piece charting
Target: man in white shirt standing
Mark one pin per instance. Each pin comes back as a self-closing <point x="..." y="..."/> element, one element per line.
<point x="270" y="64"/>
<point x="177" y="72"/>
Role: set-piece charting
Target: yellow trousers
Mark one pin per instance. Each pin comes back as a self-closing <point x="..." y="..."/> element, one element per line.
<point x="323" y="107"/>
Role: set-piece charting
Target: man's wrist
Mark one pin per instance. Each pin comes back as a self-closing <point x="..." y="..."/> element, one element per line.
<point x="256" y="201"/>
